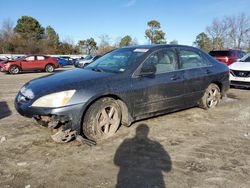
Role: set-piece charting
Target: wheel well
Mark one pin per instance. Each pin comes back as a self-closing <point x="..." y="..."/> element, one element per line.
<point x="16" y="66"/>
<point x="126" y="117"/>
<point x="218" y="84"/>
<point x="49" y="64"/>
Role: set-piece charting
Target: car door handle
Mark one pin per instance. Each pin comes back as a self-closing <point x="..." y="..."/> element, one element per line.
<point x="175" y="77"/>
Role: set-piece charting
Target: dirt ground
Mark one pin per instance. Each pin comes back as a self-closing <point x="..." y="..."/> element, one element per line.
<point x="189" y="148"/>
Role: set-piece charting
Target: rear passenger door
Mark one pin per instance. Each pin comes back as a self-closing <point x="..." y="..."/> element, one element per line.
<point x="197" y="72"/>
<point x="40" y="62"/>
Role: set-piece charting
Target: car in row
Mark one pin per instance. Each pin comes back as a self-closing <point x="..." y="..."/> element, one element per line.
<point x="123" y="86"/>
<point x="240" y="72"/>
<point x="227" y="56"/>
<point x="87" y="60"/>
<point x="65" y="61"/>
<point x="30" y="63"/>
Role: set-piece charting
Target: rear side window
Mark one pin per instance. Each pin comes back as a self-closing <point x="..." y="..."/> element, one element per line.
<point x="190" y="59"/>
<point x="221" y="53"/>
<point x="40" y="57"/>
<point x="164" y="60"/>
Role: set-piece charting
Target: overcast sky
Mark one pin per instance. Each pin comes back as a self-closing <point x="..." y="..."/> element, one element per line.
<point x="182" y="20"/>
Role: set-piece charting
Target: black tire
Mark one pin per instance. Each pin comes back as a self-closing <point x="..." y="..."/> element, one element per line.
<point x="102" y="119"/>
<point x="49" y="68"/>
<point x="211" y="97"/>
<point x="14" y="69"/>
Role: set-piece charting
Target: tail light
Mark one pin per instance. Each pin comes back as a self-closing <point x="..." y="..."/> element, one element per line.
<point x="226" y="59"/>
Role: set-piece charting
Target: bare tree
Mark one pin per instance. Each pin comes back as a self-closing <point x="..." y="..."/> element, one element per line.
<point x="217" y="32"/>
<point x="238" y="30"/>
<point x="230" y="32"/>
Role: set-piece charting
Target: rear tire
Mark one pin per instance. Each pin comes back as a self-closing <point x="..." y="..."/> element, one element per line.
<point x="49" y="68"/>
<point x="14" y="69"/>
<point x="211" y="97"/>
<point x="102" y="119"/>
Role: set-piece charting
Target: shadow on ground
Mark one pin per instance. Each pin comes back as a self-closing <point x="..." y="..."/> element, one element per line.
<point x="142" y="161"/>
<point x="4" y="110"/>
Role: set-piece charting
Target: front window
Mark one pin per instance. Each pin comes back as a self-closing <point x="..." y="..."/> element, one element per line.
<point x="30" y="58"/>
<point x="117" y="61"/>
<point x="164" y="60"/>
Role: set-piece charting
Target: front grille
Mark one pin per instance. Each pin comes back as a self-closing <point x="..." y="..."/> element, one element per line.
<point x="247" y="84"/>
<point x="240" y="73"/>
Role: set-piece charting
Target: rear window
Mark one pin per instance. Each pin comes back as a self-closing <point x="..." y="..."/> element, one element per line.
<point x="221" y="53"/>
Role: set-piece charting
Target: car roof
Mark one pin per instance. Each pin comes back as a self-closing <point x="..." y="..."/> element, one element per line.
<point x="155" y="46"/>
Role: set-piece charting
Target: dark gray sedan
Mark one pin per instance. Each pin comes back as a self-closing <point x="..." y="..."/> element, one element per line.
<point x="122" y="86"/>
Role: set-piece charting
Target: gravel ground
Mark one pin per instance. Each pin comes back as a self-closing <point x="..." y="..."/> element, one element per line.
<point x="189" y="148"/>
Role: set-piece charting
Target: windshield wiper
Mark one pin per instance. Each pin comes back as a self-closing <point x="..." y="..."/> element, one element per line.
<point x="97" y="69"/>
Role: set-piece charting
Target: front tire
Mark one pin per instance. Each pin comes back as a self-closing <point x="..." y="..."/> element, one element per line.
<point x="49" y="68"/>
<point x="211" y="97"/>
<point x="14" y="69"/>
<point x="102" y="119"/>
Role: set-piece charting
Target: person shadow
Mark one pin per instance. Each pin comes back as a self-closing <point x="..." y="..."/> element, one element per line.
<point x="4" y="110"/>
<point x="142" y="161"/>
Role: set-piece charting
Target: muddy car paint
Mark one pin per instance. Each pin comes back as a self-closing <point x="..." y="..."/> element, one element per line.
<point x="139" y="96"/>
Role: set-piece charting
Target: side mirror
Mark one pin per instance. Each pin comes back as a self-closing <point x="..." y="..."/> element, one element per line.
<point x="238" y="60"/>
<point x="148" y="69"/>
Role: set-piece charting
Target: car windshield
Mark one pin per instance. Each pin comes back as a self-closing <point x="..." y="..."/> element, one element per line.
<point x="88" y="57"/>
<point x="117" y="61"/>
<point x="221" y="53"/>
<point x="246" y="58"/>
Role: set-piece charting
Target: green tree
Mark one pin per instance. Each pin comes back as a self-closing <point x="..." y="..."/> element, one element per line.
<point x="125" y="41"/>
<point x="203" y="42"/>
<point x="87" y="46"/>
<point x="154" y="34"/>
<point x="51" y="36"/>
<point x="174" y="42"/>
<point x="29" y="27"/>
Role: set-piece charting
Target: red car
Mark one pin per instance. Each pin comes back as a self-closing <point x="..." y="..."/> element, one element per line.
<point x="30" y="62"/>
<point x="227" y="56"/>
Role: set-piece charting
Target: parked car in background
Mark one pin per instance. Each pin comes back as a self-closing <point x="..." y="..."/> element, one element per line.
<point x="123" y="86"/>
<point x="87" y="60"/>
<point x="240" y="72"/>
<point x="2" y="61"/>
<point x="30" y="62"/>
<point x="65" y="60"/>
<point x="227" y="56"/>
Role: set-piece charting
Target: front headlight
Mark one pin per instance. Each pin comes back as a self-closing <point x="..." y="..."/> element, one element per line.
<point x="27" y="92"/>
<point x="54" y="100"/>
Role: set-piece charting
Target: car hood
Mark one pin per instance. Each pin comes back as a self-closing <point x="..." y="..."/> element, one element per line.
<point x="67" y="80"/>
<point x="245" y="66"/>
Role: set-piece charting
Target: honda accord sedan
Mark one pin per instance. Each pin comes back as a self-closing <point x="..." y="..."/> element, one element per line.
<point x="123" y="86"/>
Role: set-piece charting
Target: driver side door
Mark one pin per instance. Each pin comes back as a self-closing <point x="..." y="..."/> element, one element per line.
<point x="160" y="91"/>
<point x="28" y="63"/>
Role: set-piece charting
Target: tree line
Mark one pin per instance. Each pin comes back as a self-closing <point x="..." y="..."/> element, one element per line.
<point x="229" y="32"/>
<point x="29" y="36"/>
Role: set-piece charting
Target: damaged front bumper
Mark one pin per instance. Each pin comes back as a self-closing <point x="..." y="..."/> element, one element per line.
<point x="68" y="117"/>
